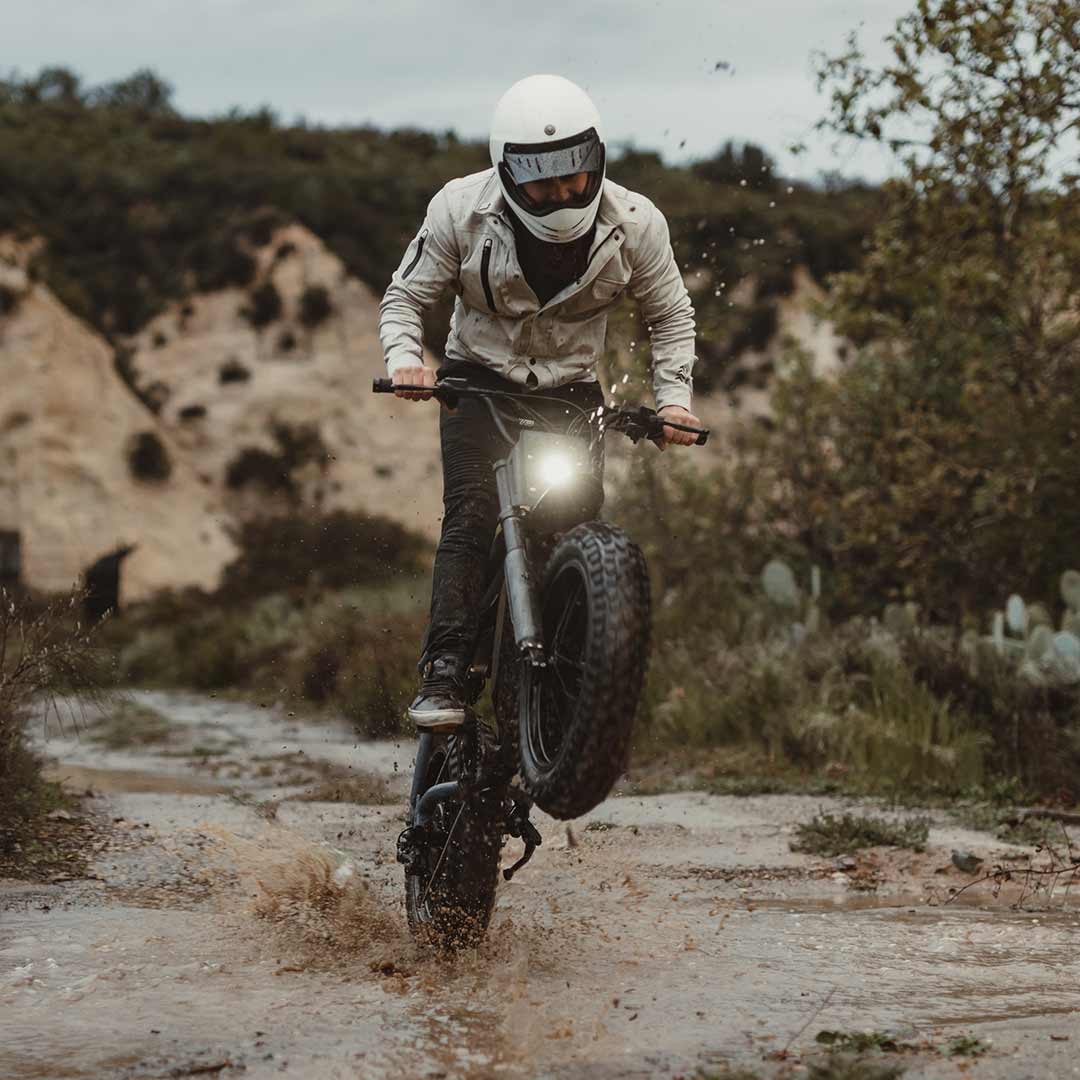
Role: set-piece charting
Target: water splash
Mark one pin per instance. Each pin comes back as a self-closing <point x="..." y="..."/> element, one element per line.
<point x="315" y="897"/>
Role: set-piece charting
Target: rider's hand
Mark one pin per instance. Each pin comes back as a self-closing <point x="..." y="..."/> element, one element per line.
<point x="413" y="376"/>
<point x="678" y="415"/>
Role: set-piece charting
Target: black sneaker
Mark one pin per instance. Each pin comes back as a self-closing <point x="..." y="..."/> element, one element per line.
<point x="440" y="704"/>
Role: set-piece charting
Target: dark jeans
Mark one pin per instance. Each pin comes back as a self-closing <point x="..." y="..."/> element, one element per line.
<point x="470" y="443"/>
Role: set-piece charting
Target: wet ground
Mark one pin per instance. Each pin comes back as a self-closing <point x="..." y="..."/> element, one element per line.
<point x="231" y="925"/>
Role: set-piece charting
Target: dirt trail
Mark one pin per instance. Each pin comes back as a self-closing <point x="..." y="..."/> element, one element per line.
<point x="217" y="934"/>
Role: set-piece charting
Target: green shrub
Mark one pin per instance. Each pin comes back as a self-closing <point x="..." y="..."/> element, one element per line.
<point x="840" y="834"/>
<point x="338" y="550"/>
<point x="176" y="201"/>
<point x="9" y="299"/>
<point x="47" y="661"/>
<point x="273" y="472"/>
<point x="315" y="306"/>
<point x="148" y="459"/>
<point x="264" y="305"/>
<point x="232" y="371"/>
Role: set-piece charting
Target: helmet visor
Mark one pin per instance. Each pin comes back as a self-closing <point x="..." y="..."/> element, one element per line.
<point x="523" y="163"/>
<point x="542" y="161"/>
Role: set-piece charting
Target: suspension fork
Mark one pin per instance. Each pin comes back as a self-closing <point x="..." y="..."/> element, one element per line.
<point x="520" y="580"/>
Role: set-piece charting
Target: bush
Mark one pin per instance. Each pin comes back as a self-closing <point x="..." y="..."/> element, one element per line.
<point x="315" y="306"/>
<point x="841" y="834"/>
<point x="9" y="299"/>
<point x="273" y="472"/>
<point x="232" y="371"/>
<point x="148" y="459"/>
<point x="338" y="550"/>
<point x="264" y="305"/>
<point x="206" y="192"/>
<point x="353" y="651"/>
<point x="45" y="655"/>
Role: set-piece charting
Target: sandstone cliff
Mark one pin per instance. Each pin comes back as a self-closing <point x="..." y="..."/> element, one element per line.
<point x="281" y="414"/>
<point x="68" y="430"/>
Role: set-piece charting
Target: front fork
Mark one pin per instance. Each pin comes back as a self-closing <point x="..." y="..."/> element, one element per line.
<point x="528" y="636"/>
<point x="520" y="591"/>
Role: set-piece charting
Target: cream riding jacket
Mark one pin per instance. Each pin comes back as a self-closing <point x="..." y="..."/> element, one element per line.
<point x="467" y="244"/>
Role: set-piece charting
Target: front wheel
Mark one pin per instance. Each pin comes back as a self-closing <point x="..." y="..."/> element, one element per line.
<point x="576" y="715"/>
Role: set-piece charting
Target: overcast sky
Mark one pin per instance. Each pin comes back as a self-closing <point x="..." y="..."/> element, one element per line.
<point x="651" y="67"/>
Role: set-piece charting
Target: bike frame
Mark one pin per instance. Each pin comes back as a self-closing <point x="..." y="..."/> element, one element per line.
<point x="515" y="592"/>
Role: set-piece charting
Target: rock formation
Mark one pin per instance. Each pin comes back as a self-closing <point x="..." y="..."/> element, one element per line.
<point x="268" y="393"/>
<point x="70" y="432"/>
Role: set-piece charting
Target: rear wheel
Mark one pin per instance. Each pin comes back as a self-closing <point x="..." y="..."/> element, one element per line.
<point x="451" y="879"/>
<point x="576" y="715"/>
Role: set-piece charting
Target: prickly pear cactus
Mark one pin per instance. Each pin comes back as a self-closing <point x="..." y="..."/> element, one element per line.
<point x="1039" y="644"/>
<point x="899" y="619"/>
<point x="1070" y="590"/>
<point x="1062" y="663"/>
<point x="1038" y="615"/>
<point x="1016" y="615"/>
<point x="780" y="586"/>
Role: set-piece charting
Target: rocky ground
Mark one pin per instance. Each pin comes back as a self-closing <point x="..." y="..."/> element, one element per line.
<point x="233" y="909"/>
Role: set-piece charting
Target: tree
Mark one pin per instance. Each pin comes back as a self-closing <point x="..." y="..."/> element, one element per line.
<point x="952" y="455"/>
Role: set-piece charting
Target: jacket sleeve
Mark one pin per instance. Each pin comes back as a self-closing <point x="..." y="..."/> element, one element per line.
<point x="428" y="270"/>
<point x="658" y="287"/>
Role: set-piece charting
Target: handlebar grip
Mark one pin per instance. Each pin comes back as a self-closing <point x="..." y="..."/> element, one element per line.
<point x="382" y="386"/>
<point x="703" y="438"/>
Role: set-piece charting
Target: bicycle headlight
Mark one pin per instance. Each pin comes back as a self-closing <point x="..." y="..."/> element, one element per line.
<point x="556" y="468"/>
<point x="554" y="478"/>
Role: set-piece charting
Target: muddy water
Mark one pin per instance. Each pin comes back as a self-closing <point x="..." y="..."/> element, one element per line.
<point x="662" y="935"/>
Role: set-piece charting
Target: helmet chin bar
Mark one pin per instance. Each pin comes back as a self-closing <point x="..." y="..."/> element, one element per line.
<point x="562" y="227"/>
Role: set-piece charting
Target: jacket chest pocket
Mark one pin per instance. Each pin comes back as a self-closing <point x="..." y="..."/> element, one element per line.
<point x="606" y="290"/>
<point x="594" y="298"/>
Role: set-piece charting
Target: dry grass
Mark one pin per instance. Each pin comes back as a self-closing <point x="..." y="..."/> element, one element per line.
<point x="47" y="661"/>
<point x="129" y="724"/>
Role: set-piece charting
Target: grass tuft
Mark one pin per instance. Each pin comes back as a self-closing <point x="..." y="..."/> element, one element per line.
<point x="130" y="724"/>
<point x="839" y="834"/>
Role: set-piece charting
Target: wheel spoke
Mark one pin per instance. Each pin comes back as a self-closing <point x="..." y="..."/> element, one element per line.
<point x="555" y="690"/>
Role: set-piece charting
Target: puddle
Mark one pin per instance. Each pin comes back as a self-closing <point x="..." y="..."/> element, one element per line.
<point x="80" y="778"/>
<point x="677" y="931"/>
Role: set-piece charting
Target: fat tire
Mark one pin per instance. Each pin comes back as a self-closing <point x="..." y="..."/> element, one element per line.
<point x="595" y="743"/>
<point x="456" y="911"/>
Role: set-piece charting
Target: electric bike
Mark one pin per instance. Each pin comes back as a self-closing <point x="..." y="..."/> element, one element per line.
<point x="564" y="638"/>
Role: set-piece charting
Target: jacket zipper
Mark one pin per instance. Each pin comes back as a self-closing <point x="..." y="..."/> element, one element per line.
<point x="416" y="258"/>
<point x="485" y="262"/>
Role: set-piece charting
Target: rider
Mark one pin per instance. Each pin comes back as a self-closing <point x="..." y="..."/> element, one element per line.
<point x="537" y="248"/>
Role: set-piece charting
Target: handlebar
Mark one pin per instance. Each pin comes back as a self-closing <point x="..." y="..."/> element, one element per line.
<point x="636" y="424"/>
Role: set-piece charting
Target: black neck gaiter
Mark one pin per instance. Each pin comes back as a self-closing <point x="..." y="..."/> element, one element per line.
<point x="549" y="268"/>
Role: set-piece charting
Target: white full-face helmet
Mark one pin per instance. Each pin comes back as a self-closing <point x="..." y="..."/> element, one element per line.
<point x="545" y="126"/>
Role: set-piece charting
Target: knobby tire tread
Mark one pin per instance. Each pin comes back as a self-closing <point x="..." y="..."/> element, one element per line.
<point x="596" y="746"/>
<point x="463" y="898"/>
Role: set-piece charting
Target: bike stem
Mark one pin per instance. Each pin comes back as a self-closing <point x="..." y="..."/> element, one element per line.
<point x="519" y="591"/>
